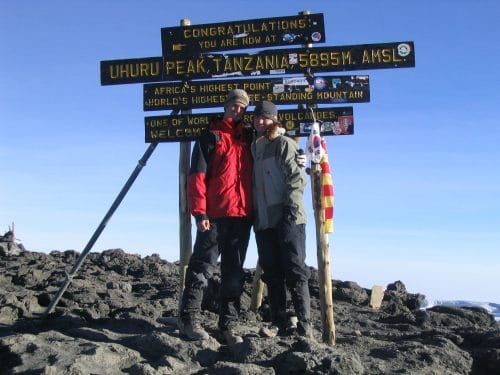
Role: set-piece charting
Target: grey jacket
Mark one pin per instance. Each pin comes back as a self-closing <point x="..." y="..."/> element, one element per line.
<point x="278" y="183"/>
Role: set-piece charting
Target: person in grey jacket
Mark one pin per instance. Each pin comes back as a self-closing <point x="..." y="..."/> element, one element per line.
<point x="280" y="218"/>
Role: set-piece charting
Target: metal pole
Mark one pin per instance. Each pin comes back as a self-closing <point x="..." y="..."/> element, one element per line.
<point x="69" y="276"/>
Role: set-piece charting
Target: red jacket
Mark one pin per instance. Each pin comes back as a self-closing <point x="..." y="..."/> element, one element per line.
<point x="220" y="179"/>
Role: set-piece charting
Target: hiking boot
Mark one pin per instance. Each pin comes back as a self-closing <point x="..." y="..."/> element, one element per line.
<point x="193" y="331"/>
<point x="271" y="331"/>
<point x="292" y="322"/>
<point x="304" y="329"/>
<point x="231" y="337"/>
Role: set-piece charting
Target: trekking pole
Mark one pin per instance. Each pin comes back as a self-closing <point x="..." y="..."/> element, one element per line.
<point x="104" y="222"/>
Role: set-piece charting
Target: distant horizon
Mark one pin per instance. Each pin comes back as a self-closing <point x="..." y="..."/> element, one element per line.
<point x="427" y="297"/>
<point x="431" y="301"/>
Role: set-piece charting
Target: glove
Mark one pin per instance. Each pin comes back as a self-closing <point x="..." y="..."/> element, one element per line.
<point x="289" y="215"/>
<point x="248" y="134"/>
<point x="301" y="158"/>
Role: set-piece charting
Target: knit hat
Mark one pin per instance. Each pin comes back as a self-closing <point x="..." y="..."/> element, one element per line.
<point x="237" y="96"/>
<point x="266" y="109"/>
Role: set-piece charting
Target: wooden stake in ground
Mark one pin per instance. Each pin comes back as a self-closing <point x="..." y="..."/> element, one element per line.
<point x="376" y="297"/>
<point x="257" y="289"/>
<point x="323" y="253"/>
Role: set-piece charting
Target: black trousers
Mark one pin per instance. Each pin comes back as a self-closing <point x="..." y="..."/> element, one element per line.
<point x="282" y="256"/>
<point x="227" y="237"/>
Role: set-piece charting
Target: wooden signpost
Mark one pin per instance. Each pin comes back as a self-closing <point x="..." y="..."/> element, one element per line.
<point x="191" y="52"/>
<point x="188" y="53"/>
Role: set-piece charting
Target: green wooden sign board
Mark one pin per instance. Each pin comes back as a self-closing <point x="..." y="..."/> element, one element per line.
<point x="268" y="62"/>
<point x="291" y="90"/>
<point x="297" y="123"/>
<point x="245" y="34"/>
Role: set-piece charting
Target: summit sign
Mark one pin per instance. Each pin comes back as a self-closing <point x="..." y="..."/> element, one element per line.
<point x="255" y="33"/>
<point x="292" y="90"/>
<point x="291" y="61"/>
<point x="296" y="122"/>
<point x="267" y="62"/>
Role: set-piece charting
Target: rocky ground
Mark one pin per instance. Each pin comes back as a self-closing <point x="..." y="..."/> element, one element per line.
<point x="118" y="316"/>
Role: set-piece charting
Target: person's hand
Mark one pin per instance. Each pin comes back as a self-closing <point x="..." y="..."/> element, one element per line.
<point x="203" y="225"/>
<point x="301" y="158"/>
<point x="289" y="215"/>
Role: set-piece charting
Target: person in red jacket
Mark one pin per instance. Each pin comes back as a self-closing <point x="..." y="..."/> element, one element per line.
<point x="220" y="199"/>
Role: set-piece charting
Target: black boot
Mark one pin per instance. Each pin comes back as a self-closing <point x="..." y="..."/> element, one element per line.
<point x="277" y="301"/>
<point x="302" y="304"/>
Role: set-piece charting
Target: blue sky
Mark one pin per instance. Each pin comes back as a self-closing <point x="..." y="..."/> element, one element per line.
<point x="417" y="186"/>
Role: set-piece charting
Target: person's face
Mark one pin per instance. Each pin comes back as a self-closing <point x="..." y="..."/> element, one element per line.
<point x="235" y="111"/>
<point x="261" y="123"/>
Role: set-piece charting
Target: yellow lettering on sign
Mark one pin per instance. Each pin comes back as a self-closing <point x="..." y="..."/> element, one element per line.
<point x="256" y="86"/>
<point x="170" y="90"/>
<point x="294" y="96"/>
<point x="286" y="116"/>
<point x="157" y="123"/>
<point x="324" y="59"/>
<point x="270" y="39"/>
<point x="238" y="64"/>
<point x="248" y="63"/>
<point x="174" y="134"/>
<point x="165" y="102"/>
<point x="386" y="55"/>
<point x="217" y="60"/>
<point x="169" y="66"/>
<point x="207" y="44"/>
<point x="133" y="70"/>
<point x="356" y="94"/>
<point x="325" y="95"/>
<point x="326" y="115"/>
<point x="217" y="87"/>
<point x="191" y="67"/>
<point x="193" y="32"/>
<point x="259" y="64"/>
<point x="197" y="121"/>
<point x="251" y="40"/>
<point x="229" y="43"/>
<point x="255" y="97"/>
<point x="212" y="99"/>
<point x="180" y="67"/>
<point x="155" y="134"/>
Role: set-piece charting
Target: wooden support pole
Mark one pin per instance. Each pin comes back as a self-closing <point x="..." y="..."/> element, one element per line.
<point x="185" y="241"/>
<point x="323" y="253"/>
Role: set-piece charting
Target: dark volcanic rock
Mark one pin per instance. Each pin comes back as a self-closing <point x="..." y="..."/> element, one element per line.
<point x="119" y="316"/>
